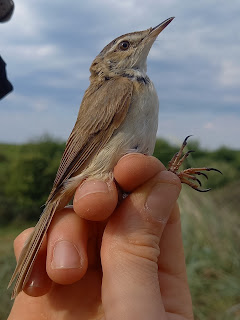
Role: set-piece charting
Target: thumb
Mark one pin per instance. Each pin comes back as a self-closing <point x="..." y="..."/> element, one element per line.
<point x="130" y="250"/>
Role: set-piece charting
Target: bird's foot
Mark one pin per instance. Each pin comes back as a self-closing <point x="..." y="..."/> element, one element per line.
<point x="188" y="176"/>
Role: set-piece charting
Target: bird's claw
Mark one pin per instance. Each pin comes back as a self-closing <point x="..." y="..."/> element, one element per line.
<point x="188" y="174"/>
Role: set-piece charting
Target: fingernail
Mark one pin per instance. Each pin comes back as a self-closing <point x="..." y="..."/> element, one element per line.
<point x="89" y="187"/>
<point x="38" y="286"/>
<point x="162" y="198"/>
<point x="65" y="256"/>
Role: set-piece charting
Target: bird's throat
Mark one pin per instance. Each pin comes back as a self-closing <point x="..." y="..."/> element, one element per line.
<point x="136" y="75"/>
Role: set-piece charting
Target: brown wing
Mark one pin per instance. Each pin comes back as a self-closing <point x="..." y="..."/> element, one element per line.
<point x="102" y="111"/>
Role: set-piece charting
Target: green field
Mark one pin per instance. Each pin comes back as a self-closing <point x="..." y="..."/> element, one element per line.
<point x="211" y="224"/>
<point x="210" y="221"/>
<point x="7" y="265"/>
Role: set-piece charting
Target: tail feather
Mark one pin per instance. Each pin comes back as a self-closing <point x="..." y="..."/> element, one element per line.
<point x="30" y="250"/>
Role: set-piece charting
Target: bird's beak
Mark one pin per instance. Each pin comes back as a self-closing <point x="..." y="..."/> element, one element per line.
<point x="159" y="28"/>
<point x="148" y="40"/>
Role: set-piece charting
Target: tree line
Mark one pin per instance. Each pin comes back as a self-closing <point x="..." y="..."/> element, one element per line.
<point x="27" y="172"/>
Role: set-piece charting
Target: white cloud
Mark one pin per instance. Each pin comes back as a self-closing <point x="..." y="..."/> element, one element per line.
<point x="208" y="126"/>
<point x="35" y="103"/>
<point x="195" y="66"/>
<point x="211" y="131"/>
<point x="23" y="25"/>
<point x="230" y="74"/>
<point x="32" y="53"/>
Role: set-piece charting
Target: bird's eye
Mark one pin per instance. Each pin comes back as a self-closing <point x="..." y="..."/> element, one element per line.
<point x="124" y="45"/>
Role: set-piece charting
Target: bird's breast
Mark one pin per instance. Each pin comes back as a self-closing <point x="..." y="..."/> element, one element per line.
<point x="137" y="133"/>
<point x="140" y="126"/>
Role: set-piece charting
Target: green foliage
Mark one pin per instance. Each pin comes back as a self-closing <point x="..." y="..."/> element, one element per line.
<point x="27" y="173"/>
<point x="164" y="151"/>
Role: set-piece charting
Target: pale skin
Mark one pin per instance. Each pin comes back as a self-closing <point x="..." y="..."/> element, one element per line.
<point x="121" y="274"/>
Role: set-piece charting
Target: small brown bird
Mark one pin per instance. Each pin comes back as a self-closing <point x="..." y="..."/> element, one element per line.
<point x="118" y="115"/>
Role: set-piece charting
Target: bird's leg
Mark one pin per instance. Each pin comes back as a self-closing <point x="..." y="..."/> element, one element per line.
<point x="188" y="174"/>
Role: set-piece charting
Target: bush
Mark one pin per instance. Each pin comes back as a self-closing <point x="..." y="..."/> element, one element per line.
<point x="27" y="172"/>
<point x="27" y="179"/>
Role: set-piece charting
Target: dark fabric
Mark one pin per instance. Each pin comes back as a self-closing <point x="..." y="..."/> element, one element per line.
<point x="6" y="10"/>
<point x="5" y="85"/>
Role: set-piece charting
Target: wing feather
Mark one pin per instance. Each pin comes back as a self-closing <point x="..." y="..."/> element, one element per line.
<point x="102" y="111"/>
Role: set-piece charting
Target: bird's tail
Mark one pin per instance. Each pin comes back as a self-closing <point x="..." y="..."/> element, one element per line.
<point x="31" y="248"/>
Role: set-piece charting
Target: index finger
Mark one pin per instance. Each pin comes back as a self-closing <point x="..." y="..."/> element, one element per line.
<point x="96" y="200"/>
<point x="135" y="169"/>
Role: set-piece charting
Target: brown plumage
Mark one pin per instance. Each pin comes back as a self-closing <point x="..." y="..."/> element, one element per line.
<point x="118" y="115"/>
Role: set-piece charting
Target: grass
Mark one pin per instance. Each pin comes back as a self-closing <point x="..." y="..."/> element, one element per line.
<point x="7" y="263"/>
<point x="210" y="224"/>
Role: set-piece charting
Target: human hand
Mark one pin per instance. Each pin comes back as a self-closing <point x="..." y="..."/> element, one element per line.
<point x="126" y="263"/>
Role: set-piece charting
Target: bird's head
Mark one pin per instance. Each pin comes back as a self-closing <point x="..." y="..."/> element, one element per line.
<point x="127" y="52"/>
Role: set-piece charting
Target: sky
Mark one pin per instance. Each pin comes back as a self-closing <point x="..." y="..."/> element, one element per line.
<point x="195" y="65"/>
